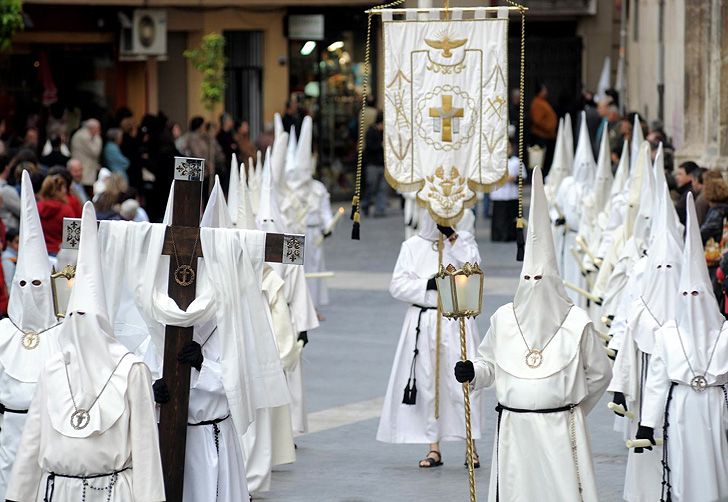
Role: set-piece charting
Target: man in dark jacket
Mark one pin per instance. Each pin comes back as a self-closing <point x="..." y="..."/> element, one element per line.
<point x="376" y="186"/>
<point x="683" y="179"/>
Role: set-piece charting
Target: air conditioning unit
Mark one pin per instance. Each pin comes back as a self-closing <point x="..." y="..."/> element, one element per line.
<point x="144" y="35"/>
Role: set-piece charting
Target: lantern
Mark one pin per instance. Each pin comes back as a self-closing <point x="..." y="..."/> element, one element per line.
<point x="62" y="285"/>
<point x="460" y="291"/>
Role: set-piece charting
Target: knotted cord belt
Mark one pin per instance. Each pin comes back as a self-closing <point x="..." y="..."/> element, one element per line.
<point x="412" y="380"/>
<point x="215" y="429"/>
<point x="51" y="483"/>
<point x="572" y="438"/>
<point x="4" y="409"/>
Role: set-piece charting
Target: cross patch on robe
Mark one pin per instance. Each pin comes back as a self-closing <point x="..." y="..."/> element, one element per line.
<point x="446" y="119"/>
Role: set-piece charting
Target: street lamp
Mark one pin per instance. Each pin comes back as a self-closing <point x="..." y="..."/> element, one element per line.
<point x="461" y="297"/>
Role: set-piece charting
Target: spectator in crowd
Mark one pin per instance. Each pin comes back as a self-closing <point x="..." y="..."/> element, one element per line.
<point x="715" y="191"/>
<point x="30" y="141"/>
<point x="370" y="112"/>
<point x="543" y="124"/>
<point x="53" y="206"/>
<point x="374" y="160"/>
<point x="242" y="138"/>
<point x="10" y="255"/>
<point x="55" y="157"/>
<point x="265" y="139"/>
<point x="10" y="207"/>
<point x="130" y="208"/>
<point x="75" y="169"/>
<point x="108" y="197"/>
<point x="292" y="117"/>
<point x="226" y="138"/>
<point x="505" y="203"/>
<point x="701" y="201"/>
<point x="86" y="146"/>
<point x="130" y="146"/>
<point x="113" y="158"/>
<point x="71" y="197"/>
<point x="683" y="180"/>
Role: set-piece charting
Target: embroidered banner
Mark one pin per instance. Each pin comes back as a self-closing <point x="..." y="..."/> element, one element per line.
<point x="446" y="108"/>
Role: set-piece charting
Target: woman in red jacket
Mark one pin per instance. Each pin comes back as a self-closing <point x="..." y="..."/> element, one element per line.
<point x="53" y="206"/>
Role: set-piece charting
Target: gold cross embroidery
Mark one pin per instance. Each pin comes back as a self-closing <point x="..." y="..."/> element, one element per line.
<point x="446" y="114"/>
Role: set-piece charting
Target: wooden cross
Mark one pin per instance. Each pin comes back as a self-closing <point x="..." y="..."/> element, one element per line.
<point x="182" y="238"/>
<point x="448" y="116"/>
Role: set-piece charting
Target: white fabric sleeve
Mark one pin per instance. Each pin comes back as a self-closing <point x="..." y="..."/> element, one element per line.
<point x="657" y="386"/>
<point x="484" y="363"/>
<point x="286" y="337"/>
<point x="624" y="378"/>
<point x="209" y="378"/>
<point x="596" y="366"/>
<point x="147" y="480"/>
<point x="406" y="285"/>
<point x="465" y="249"/>
<point x="26" y="475"/>
<point x="325" y="208"/>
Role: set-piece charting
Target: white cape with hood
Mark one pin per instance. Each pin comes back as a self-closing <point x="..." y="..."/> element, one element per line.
<point x="30" y="309"/>
<point x="402" y="423"/>
<point x="695" y="422"/>
<point x="532" y="457"/>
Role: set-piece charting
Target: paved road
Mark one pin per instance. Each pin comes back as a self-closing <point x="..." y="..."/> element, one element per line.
<point x="347" y="366"/>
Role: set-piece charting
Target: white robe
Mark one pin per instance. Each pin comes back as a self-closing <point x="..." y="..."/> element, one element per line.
<point x="532" y="458"/>
<point x="17" y="386"/>
<point x="401" y="423"/>
<point x="131" y="443"/>
<point x="318" y="221"/>
<point x="644" y="470"/>
<point x="569" y="200"/>
<point x="626" y="297"/>
<point x="269" y="440"/>
<point x="697" y="446"/>
<point x="213" y="455"/>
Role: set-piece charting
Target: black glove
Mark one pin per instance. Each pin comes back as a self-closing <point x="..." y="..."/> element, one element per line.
<point x="191" y="354"/>
<point x="560" y="222"/>
<point x="326" y="234"/>
<point x="161" y="392"/>
<point x="645" y="433"/>
<point x="464" y="371"/>
<point x="619" y="399"/>
<point x="431" y="284"/>
<point x="303" y="336"/>
<point x="446" y="231"/>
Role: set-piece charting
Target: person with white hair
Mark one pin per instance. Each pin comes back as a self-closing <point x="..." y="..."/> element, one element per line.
<point x="86" y="147"/>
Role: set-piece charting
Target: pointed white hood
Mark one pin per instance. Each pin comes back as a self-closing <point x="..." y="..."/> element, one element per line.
<point x="30" y="305"/>
<point x="604" y="177"/>
<point x="233" y="187"/>
<point x="302" y="174"/>
<point x="648" y="201"/>
<point x="426" y="226"/>
<point x="167" y="219"/>
<point x="245" y="216"/>
<point x="569" y="140"/>
<point x="698" y="316"/>
<point x="584" y="166"/>
<point x="269" y="217"/>
<point x="622" y="175"/>
<point x="675" y="228"/>
<point x="541" y="303"/>
<point x="88" y="347"/>
<point x="278" y="124"/>
<point x="217" y="214"/>
<point x="560" y="166"/>
<point x="637" y="139"/>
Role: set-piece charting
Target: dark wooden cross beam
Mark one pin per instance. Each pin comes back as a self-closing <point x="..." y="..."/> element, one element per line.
<point x="181" y="236"/>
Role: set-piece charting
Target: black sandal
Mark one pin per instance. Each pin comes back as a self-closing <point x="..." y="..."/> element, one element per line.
<point x="476" y="461"/>
<point x="429" y="462"/>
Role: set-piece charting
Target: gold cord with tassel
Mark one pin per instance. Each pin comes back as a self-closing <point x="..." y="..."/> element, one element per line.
<point x="356" y="199"/>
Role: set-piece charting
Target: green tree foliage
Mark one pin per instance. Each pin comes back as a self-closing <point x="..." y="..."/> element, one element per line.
<point x="11" y="20"/>
<point x="209" y="59"/>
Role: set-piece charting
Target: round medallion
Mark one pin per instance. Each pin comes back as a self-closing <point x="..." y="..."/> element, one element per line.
<point x="80" y="419"/>
<point x="534" y="358"/>
<point x="184" y="275"/>
<point x="30" y="340"/>
<point x="699" y="383"/>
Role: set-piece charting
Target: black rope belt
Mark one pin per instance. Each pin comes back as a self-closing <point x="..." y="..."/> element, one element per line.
<point x="410" y="390"/>
<point x="4" y="409"/>
<point x="51" y="483"/>
<point x="215" y="429"/>
<point x="500" y="408"/>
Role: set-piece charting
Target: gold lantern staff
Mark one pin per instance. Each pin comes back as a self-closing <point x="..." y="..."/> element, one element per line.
<point x="461" y="296"/>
